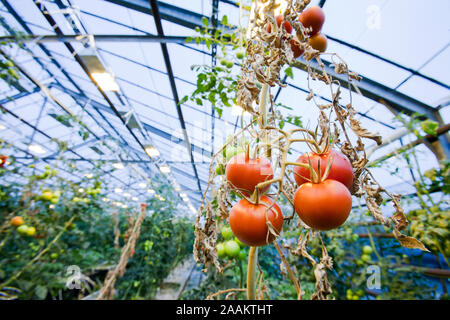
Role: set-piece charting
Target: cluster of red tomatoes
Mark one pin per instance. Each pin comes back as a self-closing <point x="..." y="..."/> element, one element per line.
<point x="323" y="201"/>
<point x="312" y="19"/>
<point x="323" y="204"/>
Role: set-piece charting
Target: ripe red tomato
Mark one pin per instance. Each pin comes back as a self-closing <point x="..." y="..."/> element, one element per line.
<point x="296" y="49"/>
<point x="323" y="206"/>
<point x="248" y="221"/>
<point x="244" y="173"/>
<point x="341" y="168"/>
<point x="314" y="18"/>
<point x="318" y="42"/>
<point x="3" y="159"/>
<point x="287" y="26"/>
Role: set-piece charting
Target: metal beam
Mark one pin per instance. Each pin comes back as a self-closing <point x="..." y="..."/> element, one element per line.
<point x="373" y="90"/>
<point x="165" y="52"/>
<point x="160" y="133"/>
<point x="97" y="37"/>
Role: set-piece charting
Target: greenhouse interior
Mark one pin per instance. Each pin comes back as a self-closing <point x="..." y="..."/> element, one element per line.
<point x="172" y="150"/>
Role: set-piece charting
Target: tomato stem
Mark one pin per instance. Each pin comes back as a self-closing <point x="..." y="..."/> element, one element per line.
<point x="251" y="273"/>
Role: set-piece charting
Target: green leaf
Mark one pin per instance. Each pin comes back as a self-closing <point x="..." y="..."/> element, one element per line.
<point x="430" y="127"/>
<point x="205" y="21"/>
<point x="199" y="101"/>
<point x="281" y="124"/>
<point x="288" y="72"/>
<point x="41" y="292"/>
<point x="224" y="20"/>
<point x="183" y="100"/>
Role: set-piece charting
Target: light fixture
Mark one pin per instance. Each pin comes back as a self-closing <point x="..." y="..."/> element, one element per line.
<point x="142" y="185"/>
<point x="152" y="151"/>
<point x="2" y="127"/>
<point x="164" y="169"/>
<point x="118" y="165"/>
<point x="177" y="189"/>
<point x="135" y="198"/>
<point x="103" y="78"/>
<point x="151" y="191"/>
<point x="105" y="199"/>
<point x="89" y="175"/>
<point x="118" y="190"/>
<point x="238" y="111"/>
<point x="191" y="207"/>
<point x="105" y="81"/>
<point x="36" y="148"/>
<point x="126" y="194"/>
<point x="80" y="190"/>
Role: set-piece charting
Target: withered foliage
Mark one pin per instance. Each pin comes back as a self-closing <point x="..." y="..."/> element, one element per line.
<point x="267" y="53"/>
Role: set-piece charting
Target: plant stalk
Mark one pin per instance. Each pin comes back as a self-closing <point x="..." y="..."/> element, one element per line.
<point x="251" y="273"/>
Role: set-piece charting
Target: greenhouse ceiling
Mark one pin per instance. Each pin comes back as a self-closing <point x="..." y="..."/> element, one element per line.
<point x="143" y="44"/>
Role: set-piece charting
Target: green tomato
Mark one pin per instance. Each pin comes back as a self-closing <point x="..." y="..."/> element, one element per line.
<point x="359" y="262"/>
<point x="360" y="293"/>
<point x="242" y="254"/>
<point x="349" y="296"/>
<point x="230" y="64"/>
<point x="232" y="248"/>
<point x="54" y="256"/>
<point x="242" y="245"/>
<point x="226" y="232"/>
<point x="23" y="229"/>
<point x="365" y="258"/>
<point x="54" y="200"/>
<point x="47" y="195"/>
<point x="240" y="55"/>
<point x="223" y="61"/>
<point x="221" y="250"/>
<point x="355" y="297"/>
<point x="31" y="231"/>
<point x="367" y="250"/>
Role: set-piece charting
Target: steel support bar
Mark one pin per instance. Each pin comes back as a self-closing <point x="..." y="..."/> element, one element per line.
<point x="373" y="90"/>
<point x="192" y="20"/>
<point x="160" y="133"/>
<point x="97" y="37"/>
<point x="165" y="52"/>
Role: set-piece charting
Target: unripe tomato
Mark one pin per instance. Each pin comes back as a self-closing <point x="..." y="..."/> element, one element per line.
<point x="47" y="195"/>
<point x="248" y="221"/>
<point x="314" y="18"/>
<point x="232" y="248"/>
<point x="240" y="54"/>
<point x="221" y="250"/>
<point x="240" y="243"/>
<point x="244" y="173"/>
<point x="54" y="256"/>
<point x="17" y="221"/>
<point x="296" y="49"/>
<point x="287" y="26"/>
<point x="318" y="42"/>
<point x="226" y="232"/>
<point x="31" y="231"/>
<point x="365" y="257"/>
<point x="242" y="254"/>
<point x="341" y="169"/>
<point x="367" y="249"/>
<point x="323" y="206"/>
<point x="23" y="229"/>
